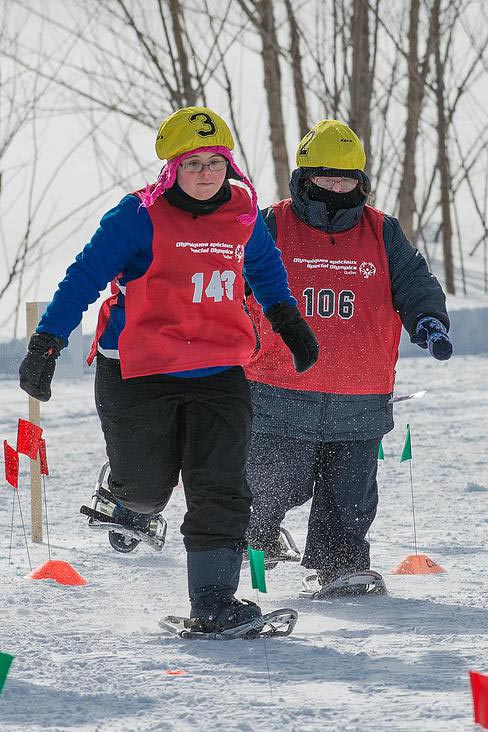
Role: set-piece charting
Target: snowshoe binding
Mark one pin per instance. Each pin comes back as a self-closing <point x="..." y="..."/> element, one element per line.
<point x="126" y="529"/>
<point x="350" y="584"/>
<point x="235" y="619"/>
<point x="283" y="549"/>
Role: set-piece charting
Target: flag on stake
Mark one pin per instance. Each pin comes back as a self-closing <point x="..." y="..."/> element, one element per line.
<point x="407" y="448"/>
<point x="43" y="457"/>
<point x="256" y="561"/>
<point x="5" y="663"/>
<point x="11" y="465"/>
<point x="28" y="436"/>
<point x="381" y="454"/>
<point x="479" y="689"/>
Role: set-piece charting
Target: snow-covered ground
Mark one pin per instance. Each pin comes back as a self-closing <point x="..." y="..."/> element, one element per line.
<point x="93" y="658"/>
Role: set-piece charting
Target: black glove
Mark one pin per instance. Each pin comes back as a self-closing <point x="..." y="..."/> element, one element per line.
<point x="432" y="334"/>
<point x="37" y="369"/>
<point x="296" y="334"/>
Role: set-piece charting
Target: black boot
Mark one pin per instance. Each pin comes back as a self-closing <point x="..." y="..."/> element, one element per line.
<point x="213" y="578"/>
<point x="126" y="517"/>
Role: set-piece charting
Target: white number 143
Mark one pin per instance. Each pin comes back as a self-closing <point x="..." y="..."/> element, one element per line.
<point x="221" y="283"/>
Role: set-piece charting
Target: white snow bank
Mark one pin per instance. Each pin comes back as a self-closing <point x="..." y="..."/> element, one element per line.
<point x="469" y="328"/>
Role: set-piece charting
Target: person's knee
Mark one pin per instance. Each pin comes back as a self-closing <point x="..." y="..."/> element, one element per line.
<point x="212" y="524"/>
<point x="140" y="496"/>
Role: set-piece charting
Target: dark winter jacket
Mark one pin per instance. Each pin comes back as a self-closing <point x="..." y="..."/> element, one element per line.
<point x="415" y="293"/>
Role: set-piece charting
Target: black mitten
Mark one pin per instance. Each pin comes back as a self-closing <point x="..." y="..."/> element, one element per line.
<point x="37" y="369"/>
<point x="432" y="334"/>
<point x="296" y="334"/>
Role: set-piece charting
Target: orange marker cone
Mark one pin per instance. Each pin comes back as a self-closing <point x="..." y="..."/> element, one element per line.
<point x="417" y="564"/>
<point x="175" y="672"/>
<point x="62" y="572"/>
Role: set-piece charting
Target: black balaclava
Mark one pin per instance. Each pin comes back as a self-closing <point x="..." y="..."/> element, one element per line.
<point x="334" y="201"/>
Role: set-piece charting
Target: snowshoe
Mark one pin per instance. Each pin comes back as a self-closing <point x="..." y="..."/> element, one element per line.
<point x="283" y="549"/>
<point x="126" y="529"/>
<point x="276" y="623"/>
<point x="351" y="584"/>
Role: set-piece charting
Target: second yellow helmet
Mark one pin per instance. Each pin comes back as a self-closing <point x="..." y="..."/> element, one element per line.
<point x="331" y="144"/>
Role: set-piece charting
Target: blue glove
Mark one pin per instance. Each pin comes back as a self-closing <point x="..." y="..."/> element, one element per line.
<point x="432" y="334"/>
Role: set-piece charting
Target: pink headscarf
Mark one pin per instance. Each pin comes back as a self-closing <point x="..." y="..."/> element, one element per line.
<point x="167" y="178"/>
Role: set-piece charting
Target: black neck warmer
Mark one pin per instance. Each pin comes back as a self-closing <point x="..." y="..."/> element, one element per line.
<point x="177" y="197"/>
<point x="335" y="201"/>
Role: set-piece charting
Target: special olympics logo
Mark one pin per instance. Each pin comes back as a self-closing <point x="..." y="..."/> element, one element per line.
<point x="239" y="253"/>
<point x="367" y="269"/>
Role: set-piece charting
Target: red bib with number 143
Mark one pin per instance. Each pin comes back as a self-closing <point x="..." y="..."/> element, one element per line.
<point x="186" y="311"/>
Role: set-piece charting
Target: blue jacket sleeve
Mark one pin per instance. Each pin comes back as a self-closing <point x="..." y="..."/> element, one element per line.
<point x="124" y="233"/>
<point x="264" y="269"/>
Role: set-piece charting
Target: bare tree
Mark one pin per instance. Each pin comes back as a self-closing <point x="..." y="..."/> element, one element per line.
<point x="260" y="13"/>
<point x="360" y="80"/>
<point x="118" y="66"/>
<point x="295" y="58"/>
<point x="417" y="75"/>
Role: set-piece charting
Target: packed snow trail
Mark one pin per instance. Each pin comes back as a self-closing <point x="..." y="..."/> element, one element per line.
<point x="93" y="659"/>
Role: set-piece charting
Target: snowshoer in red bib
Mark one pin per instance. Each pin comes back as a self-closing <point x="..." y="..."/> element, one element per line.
<point x="170" y="347"/>
<point x="316" y="435"/>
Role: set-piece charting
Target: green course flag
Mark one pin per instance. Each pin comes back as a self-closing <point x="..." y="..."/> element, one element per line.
<point x="381" y="454"/>
<point x="5" y="661"/>
<point x="256" y="560"/>
<point x="407" y="448"/>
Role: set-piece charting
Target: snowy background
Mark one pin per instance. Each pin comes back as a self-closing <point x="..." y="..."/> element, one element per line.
<point x="93" y="659"/>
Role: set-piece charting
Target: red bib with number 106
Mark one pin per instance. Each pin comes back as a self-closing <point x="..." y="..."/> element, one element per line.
<point x="342" y="284"/>
<point x="186" y="311"/>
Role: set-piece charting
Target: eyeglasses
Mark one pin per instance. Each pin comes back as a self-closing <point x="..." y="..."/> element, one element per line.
<point x="193" y="166"/>
<point x="344" y="185"/>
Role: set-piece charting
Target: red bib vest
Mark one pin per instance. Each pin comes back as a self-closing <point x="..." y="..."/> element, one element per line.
<point x="342" y="283"/>
<point x="185" y="312"/>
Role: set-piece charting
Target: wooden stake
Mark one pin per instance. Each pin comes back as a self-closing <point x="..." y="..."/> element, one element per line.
<point x="32" y="319"/>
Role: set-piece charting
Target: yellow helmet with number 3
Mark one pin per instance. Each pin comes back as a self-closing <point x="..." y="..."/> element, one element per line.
<point x="191" y="128"/>
<point x="188" y="129"/>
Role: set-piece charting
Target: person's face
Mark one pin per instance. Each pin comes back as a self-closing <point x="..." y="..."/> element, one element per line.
<point x="203" y="184"/>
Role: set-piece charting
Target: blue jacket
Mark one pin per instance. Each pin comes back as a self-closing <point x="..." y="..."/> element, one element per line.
<point x="123" y="244"/>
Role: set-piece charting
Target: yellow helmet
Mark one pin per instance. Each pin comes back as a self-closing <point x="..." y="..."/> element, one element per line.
<point x="331" y="144"/>
<point x="190" y="128"/>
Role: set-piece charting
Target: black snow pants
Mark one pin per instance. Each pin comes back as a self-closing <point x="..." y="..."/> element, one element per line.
<point x="156" y="426"/>
<point x="340" y="477"/>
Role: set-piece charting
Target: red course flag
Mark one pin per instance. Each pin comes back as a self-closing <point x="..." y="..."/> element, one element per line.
<point x="28" y="436"/>
<point x="479" y="688"/>
<point x="11" y="465"/>
<point x="43" y="457"/>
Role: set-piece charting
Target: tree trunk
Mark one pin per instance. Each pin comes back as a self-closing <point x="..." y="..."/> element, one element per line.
<point x="415" y="96"/>
<point x="272" y="83"/>
<point x="443" y="159"/>
<point x="297" y="72"/>
<point x="189" y="93"/>
<point x="360" y="88"/>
